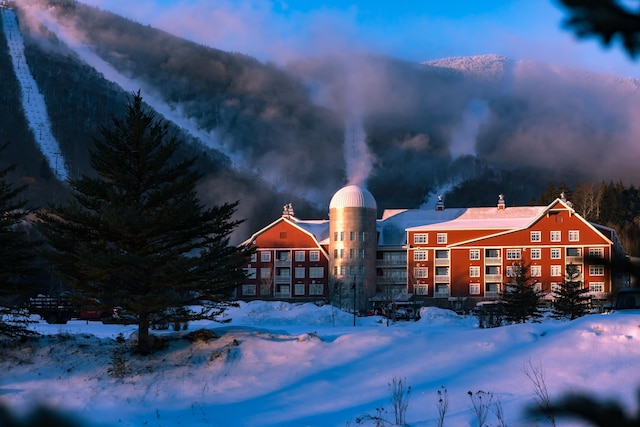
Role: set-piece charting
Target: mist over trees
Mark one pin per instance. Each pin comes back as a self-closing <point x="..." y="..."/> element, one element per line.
<point x="472" y="128"/>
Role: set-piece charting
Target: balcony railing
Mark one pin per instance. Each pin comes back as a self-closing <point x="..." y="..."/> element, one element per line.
<point x="391" y="263"/>
<point x="282" y="294"/>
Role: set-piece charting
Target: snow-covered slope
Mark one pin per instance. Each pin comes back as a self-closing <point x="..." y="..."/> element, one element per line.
<point x="276" y="364"/>
<point x="33" y="103"/>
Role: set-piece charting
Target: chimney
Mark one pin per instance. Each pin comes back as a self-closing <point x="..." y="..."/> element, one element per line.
<point x="287" y="211"/>
<point x="501" y="204"/>
<point x="440" y="204"/>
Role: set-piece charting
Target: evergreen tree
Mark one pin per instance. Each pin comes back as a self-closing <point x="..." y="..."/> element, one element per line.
<point x="572" y="299"/>
<point x="521" y="299"/>
<point x="17" y="257"/>
<point x="137" y="235"/>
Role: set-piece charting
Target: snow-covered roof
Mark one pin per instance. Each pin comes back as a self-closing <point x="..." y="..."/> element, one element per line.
<point x="394" y="223"/>
<point x="488" y="218"/>
<point x="353" y="196"/>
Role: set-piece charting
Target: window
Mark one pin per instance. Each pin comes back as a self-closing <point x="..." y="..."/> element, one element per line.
<point x="492" y="253"/>
<point x="596" y="286"/>
<point x="574" y="252"/>
<point x="420" y="255"/>
<point x="265" y="256"/>
<point x="248" y="289"/>
<point x="535" y="271"/>
<point x="442" y="238"/>
<point x="474" y="288"/>
<point x="420" y="238"/>
<point x="574" y="235"/>
<point x="536" y="253"/>
<point x="536" y="236"/>
<point x="421" y="289"/>
<point x="555" y="236"/>
<point x="596" y="270"/>
<point x="282" y="255"/>
<point x="299" y="256"/>
<point x="254" y="257"/>
<point x="250" y="272"/>
<point x="298" y="289"/>
<point x="474" y="254"/>
<point x="556" y="270"/>
<point x="556" y="253"/>
<point x="299" y="272"/>
<point x="315" y="289"/>
<point x="420" y="272"/>
<point x="265" y="273"/>
<point x="596" y="252"/>
<point x="513" y="253"/>
<point x="314" y="256"/>
<point x="316" y="272"/>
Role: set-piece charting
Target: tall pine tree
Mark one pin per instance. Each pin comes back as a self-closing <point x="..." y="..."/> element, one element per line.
<point x="137" y="234"/>
<point x="17" y="256"/>
<point x="522" y="300"/>
<point x="572" y="298"/>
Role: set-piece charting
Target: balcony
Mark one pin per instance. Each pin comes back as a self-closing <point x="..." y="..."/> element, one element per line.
<point x="388" y="280"/>
<point x="391" y="263"/>
<point x="493" y="260"/>
<point x="282" y="280"/>
<point x="282" y="295"/>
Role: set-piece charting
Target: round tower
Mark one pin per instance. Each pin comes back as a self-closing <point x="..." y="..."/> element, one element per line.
<point x="353" y="244"/>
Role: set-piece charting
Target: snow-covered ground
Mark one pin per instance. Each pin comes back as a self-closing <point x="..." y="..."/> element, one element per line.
<point x="33" y="103"/>
<point x="276" y="364"/>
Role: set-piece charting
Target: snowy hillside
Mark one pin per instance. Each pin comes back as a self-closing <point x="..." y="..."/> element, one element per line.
<point x="276" y="364"/>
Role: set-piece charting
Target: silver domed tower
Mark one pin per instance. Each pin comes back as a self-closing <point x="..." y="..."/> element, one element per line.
<point x="353" y="242"/>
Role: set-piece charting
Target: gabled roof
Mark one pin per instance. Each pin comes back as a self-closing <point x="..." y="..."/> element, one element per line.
<point x="318" y="230"/>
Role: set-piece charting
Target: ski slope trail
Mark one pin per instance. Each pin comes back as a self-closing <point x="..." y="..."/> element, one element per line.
<point x="33" y="104"/>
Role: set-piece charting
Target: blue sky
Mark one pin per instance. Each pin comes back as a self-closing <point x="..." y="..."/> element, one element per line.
<point x="418" y="30"/>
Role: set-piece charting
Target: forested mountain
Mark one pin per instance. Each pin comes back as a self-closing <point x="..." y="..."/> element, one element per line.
<point x="271" y="134"/>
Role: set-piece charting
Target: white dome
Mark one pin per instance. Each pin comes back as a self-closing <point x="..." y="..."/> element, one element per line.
<point x="353" y="196"/>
